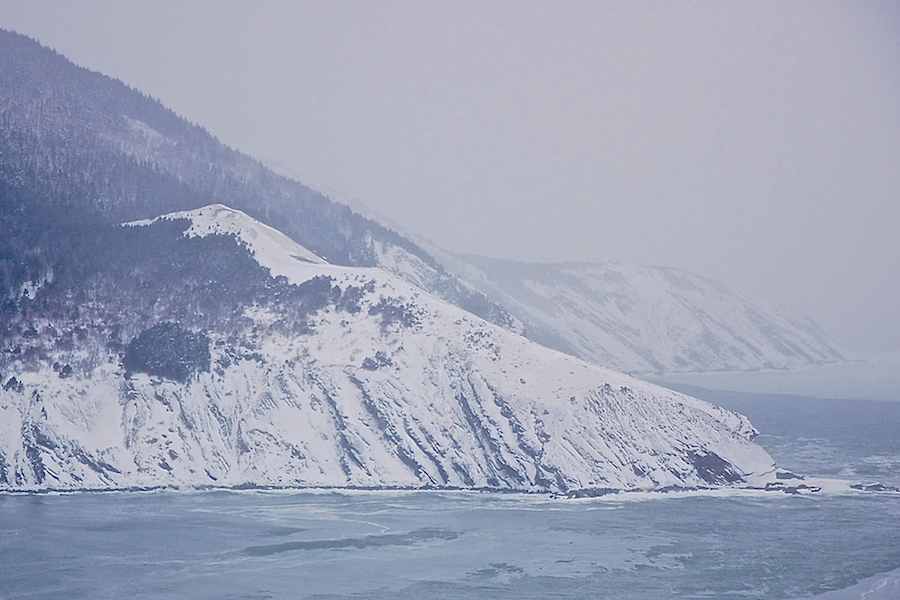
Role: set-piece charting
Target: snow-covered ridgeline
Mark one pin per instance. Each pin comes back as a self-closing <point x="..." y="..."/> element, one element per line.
<point x="399" y="389"/>
<point x="641" y="319"/>
<point x="268" y="246"/>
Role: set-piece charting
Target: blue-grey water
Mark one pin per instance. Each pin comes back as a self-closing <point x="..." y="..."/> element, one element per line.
<point x="431" y="544"/>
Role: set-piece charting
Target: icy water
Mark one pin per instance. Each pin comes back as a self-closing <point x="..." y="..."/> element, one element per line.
<point x="429" y="544"/>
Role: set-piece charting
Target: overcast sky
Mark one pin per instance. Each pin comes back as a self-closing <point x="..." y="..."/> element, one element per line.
<point x="753" y="143"/>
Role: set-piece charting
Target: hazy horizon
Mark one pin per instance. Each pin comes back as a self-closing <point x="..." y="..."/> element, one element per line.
<point x="755" y="144"/>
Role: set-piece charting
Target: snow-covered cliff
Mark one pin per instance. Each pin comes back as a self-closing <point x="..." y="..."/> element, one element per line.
<point x="375" y="383"/>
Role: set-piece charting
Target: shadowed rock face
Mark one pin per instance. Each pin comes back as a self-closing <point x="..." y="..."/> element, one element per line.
<point x="713" y="469"/>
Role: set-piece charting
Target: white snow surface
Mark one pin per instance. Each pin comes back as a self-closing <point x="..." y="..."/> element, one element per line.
<point x="437" y="398"/>
<point x="648" y="320"/>
<point x="269" y="247"/>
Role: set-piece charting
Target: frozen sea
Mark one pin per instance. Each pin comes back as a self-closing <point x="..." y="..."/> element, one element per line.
<point x="833" y="545"/>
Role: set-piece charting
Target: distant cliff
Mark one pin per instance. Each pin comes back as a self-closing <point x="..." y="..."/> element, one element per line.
<point x="647" y="320"/>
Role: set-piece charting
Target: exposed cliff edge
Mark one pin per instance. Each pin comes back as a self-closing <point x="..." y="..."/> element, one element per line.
<point x="324" y="375"/>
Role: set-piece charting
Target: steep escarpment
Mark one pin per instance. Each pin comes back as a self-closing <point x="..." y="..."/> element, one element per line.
<point x="313" y="374"/>
<point x="174" y="314"/>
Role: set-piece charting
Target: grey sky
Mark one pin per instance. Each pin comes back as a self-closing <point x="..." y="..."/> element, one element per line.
<point x="753" y="143"/>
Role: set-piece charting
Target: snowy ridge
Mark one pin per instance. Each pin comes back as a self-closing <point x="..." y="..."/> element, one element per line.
<point x="268" y="246"/>
<point x="441" y="283"/>
<point x="90" y="150"/>
<point x="647" y="320"/>
<point x="392" y="387"/>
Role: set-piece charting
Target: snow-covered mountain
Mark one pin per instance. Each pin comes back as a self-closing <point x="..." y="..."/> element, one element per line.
<point x="321" y="375"/>
<point x="85" y="149"/>
<point x="646" y="320"/>
<point x="76" y="141"/>
<point x="283" y="341"/>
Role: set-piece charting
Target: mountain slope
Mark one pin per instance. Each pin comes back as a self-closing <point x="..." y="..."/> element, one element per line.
<point x="217" y="351"/>
<point x="79" y="150"/>
<point x="77" y="142"/>
<point x="646" y="320"/>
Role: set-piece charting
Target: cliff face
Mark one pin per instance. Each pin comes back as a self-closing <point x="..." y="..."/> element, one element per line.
<point x="210" y="349"/>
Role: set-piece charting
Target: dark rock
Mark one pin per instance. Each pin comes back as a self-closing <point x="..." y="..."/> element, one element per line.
<point x="792" y="489"/>
<point x="380" y="360"/>
<point x="874" y="487"/>
<point x="714" y="469"/>
<point x="14" y="385"/>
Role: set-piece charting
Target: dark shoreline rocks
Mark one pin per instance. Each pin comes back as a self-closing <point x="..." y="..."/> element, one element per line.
<point x="874" y="487"/>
